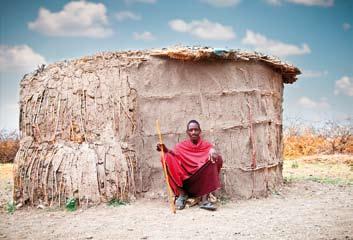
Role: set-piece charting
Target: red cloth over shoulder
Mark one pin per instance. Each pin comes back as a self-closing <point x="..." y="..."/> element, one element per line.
<point x="192" y="156"/>
<point x="185" y="160"/>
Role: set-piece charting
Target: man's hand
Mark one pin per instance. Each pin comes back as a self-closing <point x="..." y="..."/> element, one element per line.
<point x="213" y="155"/>
<point x="160" y="146"/>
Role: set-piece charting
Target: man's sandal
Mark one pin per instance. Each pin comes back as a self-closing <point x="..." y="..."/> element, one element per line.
<point x="180" y="202"/>
<point x="208" y="206"/>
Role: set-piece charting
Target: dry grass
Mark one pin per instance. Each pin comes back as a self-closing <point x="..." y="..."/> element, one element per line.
<point x="323" y="156"/>
<point x="332" y="169"/>
<point x="329" y="139"/>
<point x="6" y="171"/>
<point x="6" y="183"/>
<point x="9" y="144"/>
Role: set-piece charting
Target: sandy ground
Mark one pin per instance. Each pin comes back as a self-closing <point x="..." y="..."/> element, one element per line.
<point x="316" y="202"/>
<point x="301" y="210"/>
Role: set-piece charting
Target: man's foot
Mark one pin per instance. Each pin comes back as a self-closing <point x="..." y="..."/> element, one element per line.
<point x="192" y="201"/>
<point x="180" y="202"/>
<point x="208" y="206"/>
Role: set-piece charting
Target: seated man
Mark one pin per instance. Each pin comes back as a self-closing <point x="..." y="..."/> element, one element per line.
<point x="193" y="168"/>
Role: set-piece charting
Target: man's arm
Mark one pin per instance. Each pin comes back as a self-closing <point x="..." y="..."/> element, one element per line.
<point x="165" y="149"/>
<point x="213" y="155"/>
<point x="159" y="148"/>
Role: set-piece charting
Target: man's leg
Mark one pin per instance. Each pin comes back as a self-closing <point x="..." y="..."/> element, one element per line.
<point x="206" y="204"/>
<point x="204" y="198"/>
<point x="181" y="200"/>
<point x="204" y="181"/>
<point x="182" y="191"/>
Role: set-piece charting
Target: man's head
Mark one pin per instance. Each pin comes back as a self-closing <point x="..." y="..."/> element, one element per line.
<point x="193" y="130"/>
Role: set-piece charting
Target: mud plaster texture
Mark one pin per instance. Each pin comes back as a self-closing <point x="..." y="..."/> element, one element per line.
<point x="88" y="125"/>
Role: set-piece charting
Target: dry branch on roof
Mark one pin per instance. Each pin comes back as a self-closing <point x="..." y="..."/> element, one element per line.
<point x="288" y="71"/>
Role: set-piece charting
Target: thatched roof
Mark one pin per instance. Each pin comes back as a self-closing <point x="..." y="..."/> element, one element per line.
<point x="288" y="71"/>
<point x="184" y="53"/>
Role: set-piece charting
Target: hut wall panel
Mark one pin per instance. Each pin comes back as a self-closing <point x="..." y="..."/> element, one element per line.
<point x="96" y="117"/>
<point x="225" y="98"/>
<point x="240" y="184"/>
<point x="216" y="112"/>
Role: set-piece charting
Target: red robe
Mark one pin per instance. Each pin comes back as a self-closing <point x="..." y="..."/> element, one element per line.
<point x="189" y="168"/>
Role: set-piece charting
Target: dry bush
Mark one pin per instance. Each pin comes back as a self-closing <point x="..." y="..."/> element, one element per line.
<point x="339" y="137"/>
<point x="305" y="144"/>
<point x="9" y="144"/>
<point x="329" y="138"/>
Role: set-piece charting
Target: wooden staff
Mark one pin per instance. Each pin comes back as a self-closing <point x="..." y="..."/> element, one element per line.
<point x="170" y="193"/>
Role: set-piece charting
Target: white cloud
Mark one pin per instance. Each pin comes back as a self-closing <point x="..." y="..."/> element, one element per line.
<point x="345" y="86"/>
<point x="313" y="74"/>
<point x="140" y="1"/>
<point x="263" y="44"/>
<point x="20" y="59"/>
<point x="320" y="3"/>
<point x="346" y="26"/>
<point x="274" y="2"/>
<point x="126" y="15"/>
<point x="222" y="3"/>
<point x="203" y="29"/>
<point x="306" y="102"/>
<point x="76" y="19"/>
<point x="146" y="36"/>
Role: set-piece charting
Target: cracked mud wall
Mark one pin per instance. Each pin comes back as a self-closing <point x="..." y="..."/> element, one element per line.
<point x="88" y="125"/>
<point x="76" y="120"/>
<point x="239" y="106"/>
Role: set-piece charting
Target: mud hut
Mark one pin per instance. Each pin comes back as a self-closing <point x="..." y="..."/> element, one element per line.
<point x="88" y="125"/>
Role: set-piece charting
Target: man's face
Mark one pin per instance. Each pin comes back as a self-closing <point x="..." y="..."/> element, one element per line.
<point x="193" y="132"/>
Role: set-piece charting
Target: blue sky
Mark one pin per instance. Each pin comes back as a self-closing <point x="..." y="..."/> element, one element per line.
<point x="314" y="35"/>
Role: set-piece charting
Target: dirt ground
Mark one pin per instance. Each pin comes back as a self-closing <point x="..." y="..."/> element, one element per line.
<point x="304" y="208"/>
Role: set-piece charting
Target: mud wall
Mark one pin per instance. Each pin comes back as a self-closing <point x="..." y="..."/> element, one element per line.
<point x="76" y="119"/>
<point x="239" y="106"/>
<point x="88" y="125"/>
